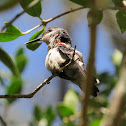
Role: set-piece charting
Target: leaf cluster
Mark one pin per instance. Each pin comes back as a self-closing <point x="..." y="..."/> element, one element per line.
<point x="15" y="83"/>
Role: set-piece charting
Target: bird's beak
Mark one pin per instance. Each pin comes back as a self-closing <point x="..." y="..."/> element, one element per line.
<point x="35" y="40"/>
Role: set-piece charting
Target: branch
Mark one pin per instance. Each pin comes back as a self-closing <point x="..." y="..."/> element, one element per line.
<point x="45" y="22"/>
<point x="18" y="15"/>
<point x="31" y="94"/>
<point x="118" y="103"/>
<point x="73" y="10"/>
<point x="2" y="122"/>
<point x="71" y="60"/>
<point x="33" y="29"/>
<point x="60" y="15"/>
<point x="87" y="88"/>
<point x="71" y="118"/>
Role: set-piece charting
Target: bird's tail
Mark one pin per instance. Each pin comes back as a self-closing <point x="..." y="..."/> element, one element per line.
<point x="94" y="89"/>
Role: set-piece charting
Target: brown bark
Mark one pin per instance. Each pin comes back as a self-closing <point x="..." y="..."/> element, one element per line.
<point x="116" y="108"/>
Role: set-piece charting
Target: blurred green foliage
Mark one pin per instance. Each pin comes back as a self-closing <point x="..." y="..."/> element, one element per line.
<point x="94" y="17"/>
<point x="35" y="45"/>
<point x="47" y="115"/>
<point x="17" y="66"/>
<point x="6" y="4"/>
<point x="6" y="59"/>
<point x="14" y="87"/>
<point x="20" y="60"/>
<point x="83" y="3"/>
<point x="118" y="3"/>
<point x="35" y="10"/>
<point x="66" y="111"/>
<point x="11" y="33"/>
<point x="121" y="17"/>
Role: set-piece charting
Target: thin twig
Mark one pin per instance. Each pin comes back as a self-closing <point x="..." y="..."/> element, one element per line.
<point x="60" y="15"/>
<point x="30" y="95"/>
<point x="2" y="122"/>
<point x="90" y="66"/>
<point x="71" y="117"/>
<point x="18" y="15"/>
<point x="71" y="60"/>
<point x="45" y="22"/>
<point x="87" y="88"/>
<point x="32" y="29"/>
<point x="72" y="10"/>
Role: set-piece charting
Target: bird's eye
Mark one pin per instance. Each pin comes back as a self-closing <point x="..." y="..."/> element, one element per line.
<point x="49" y="30"/>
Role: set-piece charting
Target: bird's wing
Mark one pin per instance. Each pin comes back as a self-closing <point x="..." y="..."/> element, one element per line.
<point x="78" y="58"/>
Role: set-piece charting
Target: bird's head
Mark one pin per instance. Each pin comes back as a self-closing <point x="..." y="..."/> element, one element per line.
<point x="54" y="33"/>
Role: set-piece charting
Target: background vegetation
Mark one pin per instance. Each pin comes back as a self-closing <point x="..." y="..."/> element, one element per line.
<point x="57" y="104"/>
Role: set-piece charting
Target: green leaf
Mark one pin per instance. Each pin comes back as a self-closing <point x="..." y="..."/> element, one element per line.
<point x="71" y="100"/>
<point x="10" y="34"/>
<point x="123" y="122"/>
<point x="49" y="115"/>
<point x="15" y="87"/>
<point x="6" y="59"/>
<point x="95" y="122"/>
<point x="83" y="3"/>
<point x="69" y="124"/>
<point x="108" y="82"/>
<point x="38" y="113"/>
<point x="37" y="34"/>
<point x="64" y="110"/>
<point x="118" y="3"/>
<point x="21" y="59"/>
<point x="6" y="4"/>
<point x="2" y="81"/>
<point x="34" y="11"/>
<point x="31" y="124"/>
<point x="117" y="57"/>
<point x="94" y="17"/>
<point x="121" y="20"/>
<point x="33" y="46"/>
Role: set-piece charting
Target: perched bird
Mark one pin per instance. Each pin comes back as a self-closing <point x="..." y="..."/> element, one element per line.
<point x="60" y="52"/>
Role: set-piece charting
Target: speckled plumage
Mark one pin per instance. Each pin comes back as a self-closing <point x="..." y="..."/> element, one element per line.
<point x="59" y="54"/>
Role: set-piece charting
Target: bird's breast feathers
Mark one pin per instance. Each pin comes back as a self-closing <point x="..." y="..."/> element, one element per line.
<point x="57" y="58"/>
<point x="54" y="59"/>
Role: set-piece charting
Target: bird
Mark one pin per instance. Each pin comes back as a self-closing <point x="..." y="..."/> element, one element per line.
<point x="60" y="53"/>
